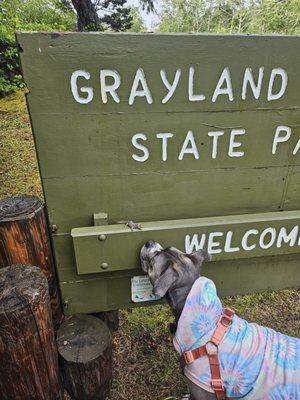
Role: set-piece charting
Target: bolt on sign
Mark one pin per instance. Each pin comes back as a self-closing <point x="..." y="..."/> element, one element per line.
<point x="194" y="138"/>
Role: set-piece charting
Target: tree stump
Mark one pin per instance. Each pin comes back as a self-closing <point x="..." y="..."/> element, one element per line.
<point x="28" y="353"/>
<point x="24" y="239"/>
<point x="85" y="349"/>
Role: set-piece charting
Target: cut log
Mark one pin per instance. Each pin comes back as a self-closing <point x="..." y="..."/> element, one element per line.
<point x="85" y="349"/>
<point x="24" y="239"/>
<point x="28" y="354"/>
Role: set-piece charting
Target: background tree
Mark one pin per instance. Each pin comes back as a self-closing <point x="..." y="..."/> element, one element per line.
<point x="34" y="15"/>
<point x="117" y="16"/>
<point x="98" y="15"/>
<point x="87" y="16"/>
<point x="55" y="15"/>
<point x="26" y="15"/>
<point x="230" y="16"/>
<point x="137" y="21"/>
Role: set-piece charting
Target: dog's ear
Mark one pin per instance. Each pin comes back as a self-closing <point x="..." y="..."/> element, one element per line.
<point x="165" y="281"/>
<point x="199" y="256"/>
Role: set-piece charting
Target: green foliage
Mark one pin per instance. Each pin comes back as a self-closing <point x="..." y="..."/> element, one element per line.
<point x="34" y="15"/>
<point x="275" y="16"/>
<point x="107" y="15"/>
<point x="231" y="16"/>
<point x="137" y="24"/>
<point x="27" y="15"/>
<point x="53" y="15"/>
<point x="117" y="15"/>
<point x="19" y="172"/>
<point x="10" y="74"/>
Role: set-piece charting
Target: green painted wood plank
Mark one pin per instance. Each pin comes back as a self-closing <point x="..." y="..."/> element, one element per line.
<point x="56" y="56"/>
<point x="105" y="291"/>
<point x="85" y="151"/>
<point x="226" y="238"/>
<point x="80" y="144"/>
<point x="72" y="202"/>
<point x="292" y="195"/>
<point x="65" y="260"/>
<point x="232" y="277"/>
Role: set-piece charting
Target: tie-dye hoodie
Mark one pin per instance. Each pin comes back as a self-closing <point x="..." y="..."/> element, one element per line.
<point x="257" y="363"/>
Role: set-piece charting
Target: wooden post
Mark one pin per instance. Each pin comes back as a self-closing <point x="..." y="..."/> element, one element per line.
<point x="24" y="239"/>
<point x="28" y="354"/>
<point x="85" y="349"/>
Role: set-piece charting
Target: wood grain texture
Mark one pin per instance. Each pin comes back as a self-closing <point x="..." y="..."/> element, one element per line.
<point x="90" y="253"/>
<point x="58" y="55"/>
<point x="28" y="354"/>
<point x="113" y="290"/>
<point x="79" y="154"/>
<point x="291" y="198"/>
<point x="85" y="348"/>
<point x="24" y="239"/>
<point x="164" y="196"/>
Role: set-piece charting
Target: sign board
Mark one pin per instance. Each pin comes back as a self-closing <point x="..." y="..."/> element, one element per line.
<point x="142" y="290"/>
<point x="196" y="137"/>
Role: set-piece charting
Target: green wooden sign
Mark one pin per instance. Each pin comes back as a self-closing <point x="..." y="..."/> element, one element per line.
<point x="196" y="137"/>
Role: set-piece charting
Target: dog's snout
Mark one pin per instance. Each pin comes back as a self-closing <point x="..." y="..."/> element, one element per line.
<point x="149" y="244"/>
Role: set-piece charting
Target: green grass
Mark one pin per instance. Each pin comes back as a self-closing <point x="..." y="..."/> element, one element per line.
<point x="145" y="364"/>
<point x="18" y="165"/>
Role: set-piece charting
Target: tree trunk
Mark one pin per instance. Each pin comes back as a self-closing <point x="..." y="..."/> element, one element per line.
<point x="28" y="354"/>
<point x="24" y="239"/>
<point x="87" y="17"/>
<point x="85" y="349"/>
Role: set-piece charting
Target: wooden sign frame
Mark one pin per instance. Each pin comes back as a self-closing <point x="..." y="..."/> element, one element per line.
<point x="174" y="128"/>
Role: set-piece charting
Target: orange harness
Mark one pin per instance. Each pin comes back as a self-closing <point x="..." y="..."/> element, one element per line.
<point x="210" y="349"/>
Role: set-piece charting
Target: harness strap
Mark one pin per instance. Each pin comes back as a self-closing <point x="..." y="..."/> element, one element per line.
<point x="211" y="349"/>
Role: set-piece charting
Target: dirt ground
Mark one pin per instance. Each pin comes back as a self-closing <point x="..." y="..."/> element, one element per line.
<point x="145" y="364"/>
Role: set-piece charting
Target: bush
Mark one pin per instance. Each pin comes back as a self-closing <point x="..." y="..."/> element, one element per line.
<point x="10" y="71"/>
<point x="29" y="15"/>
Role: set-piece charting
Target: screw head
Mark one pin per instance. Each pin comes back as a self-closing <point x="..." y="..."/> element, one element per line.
<point x="104" y="265"/>
<point x="54" y="228"/>
<point x="101" y="238"/>
<point x="66" y="303"/>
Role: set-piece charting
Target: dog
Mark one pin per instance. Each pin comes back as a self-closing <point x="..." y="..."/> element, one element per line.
<point x="253" y="362"/>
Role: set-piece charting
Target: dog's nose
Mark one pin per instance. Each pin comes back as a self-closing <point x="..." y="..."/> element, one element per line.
<point x="149" y="244"/>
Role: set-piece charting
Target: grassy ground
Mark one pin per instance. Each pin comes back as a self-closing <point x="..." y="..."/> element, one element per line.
<point x="145" y="364"/>
<point x="18" y="165"/>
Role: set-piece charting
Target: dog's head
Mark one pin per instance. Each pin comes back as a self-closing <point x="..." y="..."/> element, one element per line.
<point x="170" y="268"/>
